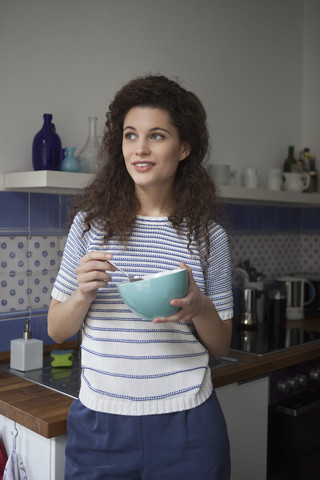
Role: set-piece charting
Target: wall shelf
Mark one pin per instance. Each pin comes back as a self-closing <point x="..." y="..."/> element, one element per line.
<point x="50" y="181"/>
<point x="46" y="181"/>
<point x="264" y="196"/>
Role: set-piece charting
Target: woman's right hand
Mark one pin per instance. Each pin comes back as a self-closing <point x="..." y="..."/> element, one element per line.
<point x="92" y="273"/>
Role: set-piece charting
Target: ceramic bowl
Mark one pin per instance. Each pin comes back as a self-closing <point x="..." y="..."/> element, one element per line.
<point x="150" y="297"/>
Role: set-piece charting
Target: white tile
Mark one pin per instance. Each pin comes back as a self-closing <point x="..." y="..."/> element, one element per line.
<point x="44" y="252"/>
<point x="40" y="287"/>
<point x="13" y="292"/>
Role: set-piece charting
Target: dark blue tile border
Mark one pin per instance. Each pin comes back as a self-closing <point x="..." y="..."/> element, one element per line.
<point x="44" y="211"/>
<point x="310" y="219"/>
<point x="14" y="210"/>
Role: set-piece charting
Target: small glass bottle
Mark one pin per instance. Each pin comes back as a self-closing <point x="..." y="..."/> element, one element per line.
<point x="69" y="163"/>
<point x="290" y="164"/>
<point x="88" y="155"/>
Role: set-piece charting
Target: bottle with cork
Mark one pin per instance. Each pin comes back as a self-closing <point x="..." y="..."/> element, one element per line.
<point x="290" y="164"/>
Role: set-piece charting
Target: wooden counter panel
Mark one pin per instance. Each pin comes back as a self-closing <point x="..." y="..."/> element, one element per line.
<point x="38" y="408"/>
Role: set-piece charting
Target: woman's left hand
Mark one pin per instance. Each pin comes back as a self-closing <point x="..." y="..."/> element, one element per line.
<point x="193" y="304"/>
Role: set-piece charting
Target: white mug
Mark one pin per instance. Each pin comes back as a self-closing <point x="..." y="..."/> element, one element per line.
<point x="220" y="173"/>
<point x="250" y="178"/>
<point x="275" y="179"/>
<point x="296" y="182"/>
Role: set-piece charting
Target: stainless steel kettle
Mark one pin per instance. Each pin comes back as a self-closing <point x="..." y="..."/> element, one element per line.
<point x="294" y="287"/>
<point x="248" y="318"/>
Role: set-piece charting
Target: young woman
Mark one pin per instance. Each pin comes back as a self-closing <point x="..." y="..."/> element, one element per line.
<point x="147" y="409"/>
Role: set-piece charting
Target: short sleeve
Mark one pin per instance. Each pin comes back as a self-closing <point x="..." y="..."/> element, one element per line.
<point x="218" y="273"/>
<point x="66" y="282"/>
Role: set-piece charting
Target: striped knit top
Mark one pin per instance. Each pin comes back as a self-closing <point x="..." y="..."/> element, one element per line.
<point x="131" y="366"/>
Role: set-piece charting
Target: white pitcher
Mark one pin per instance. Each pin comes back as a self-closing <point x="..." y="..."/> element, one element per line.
<point x="296" y="182"/>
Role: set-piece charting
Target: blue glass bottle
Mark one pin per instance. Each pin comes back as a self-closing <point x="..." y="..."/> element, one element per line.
<point x="69" y="163"/>
<point x="47" y="147"/>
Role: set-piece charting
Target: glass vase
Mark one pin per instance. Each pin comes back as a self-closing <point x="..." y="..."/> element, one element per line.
<point x="46" y="147"/>
<point x="70" y="162"/>
<point x="88" y="155"/>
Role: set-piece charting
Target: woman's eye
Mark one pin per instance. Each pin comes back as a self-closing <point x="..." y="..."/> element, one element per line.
<point x="129" y="135"/>
<point x="157" y="136"/>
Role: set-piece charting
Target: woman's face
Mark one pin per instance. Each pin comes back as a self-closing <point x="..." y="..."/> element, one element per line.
<point x="151" y="147"/>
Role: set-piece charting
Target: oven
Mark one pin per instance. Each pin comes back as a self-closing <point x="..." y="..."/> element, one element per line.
<point x="294" y="402"/>
<point x="294" y="422"/>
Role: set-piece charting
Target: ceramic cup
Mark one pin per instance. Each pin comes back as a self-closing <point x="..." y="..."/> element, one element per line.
<point x="220" y="173"/>
<point x="150" y="297"/>
<point x="275" y="179"/>
<point x="250" y="178"/>
<point x="296" y="182"/>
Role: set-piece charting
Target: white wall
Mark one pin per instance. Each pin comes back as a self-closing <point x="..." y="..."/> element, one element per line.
<point x="243" y="58"/>
<point x="311" y="77"/>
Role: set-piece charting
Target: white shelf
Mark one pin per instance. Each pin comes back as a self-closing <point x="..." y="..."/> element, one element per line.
<point x="50" y="181"/>
<point x="46" y="181"/>
<point x="263" y="195"/>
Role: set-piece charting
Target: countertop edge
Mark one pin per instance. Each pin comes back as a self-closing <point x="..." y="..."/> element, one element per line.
<point x="48" y="415"/>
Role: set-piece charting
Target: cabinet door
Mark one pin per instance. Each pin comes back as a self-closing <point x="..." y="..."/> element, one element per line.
<point x="245" y="407"/>
<point x="42" y="457"/>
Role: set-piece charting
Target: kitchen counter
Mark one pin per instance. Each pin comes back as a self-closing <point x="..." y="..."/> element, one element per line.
<point x="45" y="411"/>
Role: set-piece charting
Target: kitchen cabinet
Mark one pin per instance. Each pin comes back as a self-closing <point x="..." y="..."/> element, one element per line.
<point x="245" y="407"/>
<point x="43" y="458"/>
<point x="49" y="181"/>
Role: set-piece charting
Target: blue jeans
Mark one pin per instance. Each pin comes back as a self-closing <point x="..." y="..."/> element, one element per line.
<point x="187" y="445"/>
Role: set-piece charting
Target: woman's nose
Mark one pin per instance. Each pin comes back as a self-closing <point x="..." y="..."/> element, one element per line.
<point x="142" y="148"/>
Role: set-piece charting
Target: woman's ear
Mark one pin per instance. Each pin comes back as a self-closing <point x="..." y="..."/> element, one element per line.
<point x="185" y="151"/>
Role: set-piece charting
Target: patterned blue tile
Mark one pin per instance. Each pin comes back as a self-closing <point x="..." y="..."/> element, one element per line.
<point x="44" y="211"/>
<point x="14" y="210"/>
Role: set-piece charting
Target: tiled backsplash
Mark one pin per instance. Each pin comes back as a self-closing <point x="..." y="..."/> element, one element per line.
<point x="29" y="265"/>
<point x="276" y="240"/>
<point x="32" y="236"/>
<point x="277" y="254"/>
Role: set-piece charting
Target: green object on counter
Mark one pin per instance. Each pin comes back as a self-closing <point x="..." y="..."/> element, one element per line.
<point x="62" y="358"/>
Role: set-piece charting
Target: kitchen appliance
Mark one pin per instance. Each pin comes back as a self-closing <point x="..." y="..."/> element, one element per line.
<point x="294" y="401"/>
<point x="312" y="308"/>
<point x="295" y="294"/>
<point x="294" y="422"/>
<point x="248" y="317"/>
<point x="276" y="308"/>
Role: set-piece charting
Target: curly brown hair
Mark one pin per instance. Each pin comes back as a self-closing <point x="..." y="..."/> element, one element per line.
<point x="111" y="200"/>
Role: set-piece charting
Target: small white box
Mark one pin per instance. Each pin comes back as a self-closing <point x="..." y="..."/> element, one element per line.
<point x="26" y="354"/>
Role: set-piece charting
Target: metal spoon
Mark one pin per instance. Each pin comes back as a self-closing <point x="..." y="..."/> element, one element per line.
<point x="131" y="279"/>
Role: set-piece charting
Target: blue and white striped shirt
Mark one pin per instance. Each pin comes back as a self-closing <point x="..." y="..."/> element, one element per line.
<point x="131" y="366"/>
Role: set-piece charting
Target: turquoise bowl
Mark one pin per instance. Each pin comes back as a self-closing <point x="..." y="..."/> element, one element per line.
<point x="150" y="297"/>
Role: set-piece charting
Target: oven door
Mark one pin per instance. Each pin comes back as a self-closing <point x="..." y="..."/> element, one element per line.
<point x="294" y="438"/>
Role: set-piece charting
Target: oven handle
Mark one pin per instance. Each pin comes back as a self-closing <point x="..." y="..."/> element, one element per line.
<point x="296" y="412"/>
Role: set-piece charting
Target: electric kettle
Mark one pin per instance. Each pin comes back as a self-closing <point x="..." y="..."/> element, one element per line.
<point x="294" y="288"/>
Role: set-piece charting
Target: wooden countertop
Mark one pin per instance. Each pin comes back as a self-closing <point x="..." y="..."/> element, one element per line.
<point x="45" y="411"/>
<point x="33" y="406"/>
